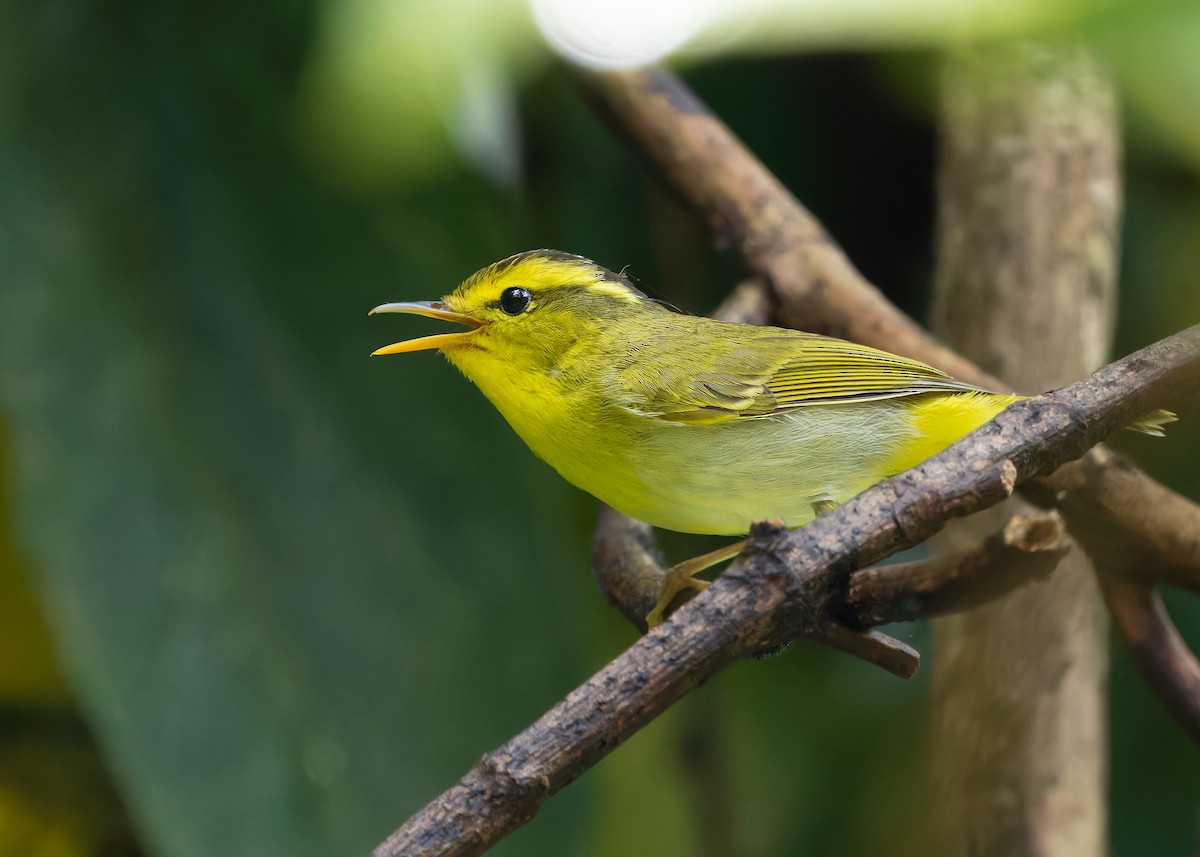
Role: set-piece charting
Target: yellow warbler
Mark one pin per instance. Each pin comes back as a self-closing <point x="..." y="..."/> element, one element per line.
<point x="683" y="422"/>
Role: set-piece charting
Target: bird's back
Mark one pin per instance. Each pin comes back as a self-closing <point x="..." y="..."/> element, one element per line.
<point x="757" y="423"/>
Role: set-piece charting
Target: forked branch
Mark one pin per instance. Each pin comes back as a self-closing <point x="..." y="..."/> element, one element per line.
<point x="814" y="286"/>
<point x="782" y="587"/>
<point x="1028" y="548"/>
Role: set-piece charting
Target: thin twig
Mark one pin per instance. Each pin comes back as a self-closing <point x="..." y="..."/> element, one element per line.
<point x="1127" y="575"/>
<point x="1162" y="657"/>
<point x="780" y="588"/>
<point x="1027" y="548"/>
<point x="874" y="647"/>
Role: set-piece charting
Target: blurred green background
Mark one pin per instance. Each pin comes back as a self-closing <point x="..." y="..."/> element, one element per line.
<point x="260" y="595"/>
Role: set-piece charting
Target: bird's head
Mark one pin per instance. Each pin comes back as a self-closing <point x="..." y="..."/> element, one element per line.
<point x="526" y="310"/>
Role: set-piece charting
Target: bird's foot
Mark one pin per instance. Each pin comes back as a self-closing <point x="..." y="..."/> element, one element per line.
<point x="683" y="576"/>
<point x="676" y="580"/>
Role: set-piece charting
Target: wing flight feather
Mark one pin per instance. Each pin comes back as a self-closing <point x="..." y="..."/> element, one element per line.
<point x="770" y="374"/>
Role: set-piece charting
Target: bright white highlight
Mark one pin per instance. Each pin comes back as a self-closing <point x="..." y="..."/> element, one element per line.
<point x="619" y="33"/>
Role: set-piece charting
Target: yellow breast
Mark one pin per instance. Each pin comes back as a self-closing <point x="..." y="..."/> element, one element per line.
<point x="719" y="478"/>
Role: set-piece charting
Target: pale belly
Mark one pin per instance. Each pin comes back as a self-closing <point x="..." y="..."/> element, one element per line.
<point x="721" y="478"/>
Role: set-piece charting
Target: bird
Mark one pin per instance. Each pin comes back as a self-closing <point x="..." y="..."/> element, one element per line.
<point x="685" y="422"/>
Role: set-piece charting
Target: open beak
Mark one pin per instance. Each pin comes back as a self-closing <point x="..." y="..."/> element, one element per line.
<point x="433" y="309"/>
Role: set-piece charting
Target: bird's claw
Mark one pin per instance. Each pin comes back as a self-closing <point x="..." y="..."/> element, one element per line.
<point x="677" y="579"/>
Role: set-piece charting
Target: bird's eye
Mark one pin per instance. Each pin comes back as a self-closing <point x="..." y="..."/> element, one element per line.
<point x="515" y="300"/>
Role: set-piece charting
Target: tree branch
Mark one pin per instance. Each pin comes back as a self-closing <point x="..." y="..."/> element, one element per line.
<point x="749" y="211"/>
<point x="630" y="573"/>
<point x="780" y="588"/>
<point x="1127" y="573"/>
<point x="818" y="289"/>
<point x="627" y="565"/>
<point x="1105" y="489"/>
<point x="1027" y="548"/>
<point x="1161" y="655"/>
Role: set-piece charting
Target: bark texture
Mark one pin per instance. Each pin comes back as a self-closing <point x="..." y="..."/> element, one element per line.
<point x="1029" y="206"/>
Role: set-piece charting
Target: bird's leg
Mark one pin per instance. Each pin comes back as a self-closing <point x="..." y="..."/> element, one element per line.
<point x="683" y="576"/>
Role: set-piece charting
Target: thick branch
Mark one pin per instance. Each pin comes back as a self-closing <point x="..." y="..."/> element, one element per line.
<point x="780" y="588"/>
<point x="1028" y="210"/>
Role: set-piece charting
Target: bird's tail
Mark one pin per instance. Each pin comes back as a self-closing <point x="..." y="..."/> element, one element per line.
<point x="1153" y="422"/>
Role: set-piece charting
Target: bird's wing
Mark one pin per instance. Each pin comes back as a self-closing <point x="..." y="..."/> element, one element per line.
<point x="774" y="373"/>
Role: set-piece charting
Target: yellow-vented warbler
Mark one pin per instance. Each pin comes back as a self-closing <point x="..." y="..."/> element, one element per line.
<point x="684" y="422"/>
